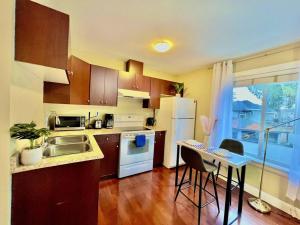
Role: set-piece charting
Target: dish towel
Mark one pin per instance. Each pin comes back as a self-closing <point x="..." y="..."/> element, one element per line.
<point x="140" y="140"/>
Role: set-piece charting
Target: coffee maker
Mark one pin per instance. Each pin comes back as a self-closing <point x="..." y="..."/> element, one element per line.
<point x="108" y="121"/>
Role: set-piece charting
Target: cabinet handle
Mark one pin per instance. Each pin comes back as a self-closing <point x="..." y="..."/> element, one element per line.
<point x="117" y="146"/>
<point x="107" y="138"/>
<point x="88" y="101"/>
<point x="59" y="203"/>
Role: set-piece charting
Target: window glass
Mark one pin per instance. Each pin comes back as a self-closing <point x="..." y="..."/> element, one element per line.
<point x="260" y="106"/>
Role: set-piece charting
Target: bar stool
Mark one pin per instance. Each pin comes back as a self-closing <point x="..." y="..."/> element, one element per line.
<point x="232" y="146"/>
<point x="193" y="159"/>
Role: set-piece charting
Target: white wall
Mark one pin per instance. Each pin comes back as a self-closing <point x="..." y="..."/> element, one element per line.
<point x="26" y="101"/>
<point x="6" y="58"/>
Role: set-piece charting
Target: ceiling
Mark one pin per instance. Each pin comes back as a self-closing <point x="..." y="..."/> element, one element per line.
<point x="203" y="31"/>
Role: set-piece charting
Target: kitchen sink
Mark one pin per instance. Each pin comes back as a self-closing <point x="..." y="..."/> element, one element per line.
<point x="71" y="139"/>
<point x="66" y="145"/>
<point x="67" y="149"/>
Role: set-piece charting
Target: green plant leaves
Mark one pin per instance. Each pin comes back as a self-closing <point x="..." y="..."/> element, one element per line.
<point x="27" y="131"/>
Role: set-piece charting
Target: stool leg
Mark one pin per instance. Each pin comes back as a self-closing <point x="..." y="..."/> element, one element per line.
<point x="181" y="182"/>
<point x="218" y="171"/>
<point x="206" y="181"/>
<point x="200" y="199"/>
<point x="191" y="173"/>
<point x="196" y="179"/>
<point x="216" y="193"/>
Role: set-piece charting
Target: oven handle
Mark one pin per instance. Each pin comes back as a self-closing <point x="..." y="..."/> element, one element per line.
<point x="133" y="138"/>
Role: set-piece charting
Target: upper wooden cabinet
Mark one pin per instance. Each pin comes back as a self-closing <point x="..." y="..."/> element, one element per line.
<point x="131" y="81"/>
<point x="133" y="78"/>
<point x="154" y="101"/>
<point x="41" y="35"/>
<point x="103" y="86"/>
<point x="56" y="93"/>
<point x="166" y="87"/>
<point x="79" y="77"/>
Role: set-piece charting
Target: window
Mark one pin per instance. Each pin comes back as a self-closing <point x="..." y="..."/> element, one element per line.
<point x="262" y="105"/>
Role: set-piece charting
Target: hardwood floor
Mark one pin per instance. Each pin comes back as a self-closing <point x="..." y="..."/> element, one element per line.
<point x="148" y="198"/>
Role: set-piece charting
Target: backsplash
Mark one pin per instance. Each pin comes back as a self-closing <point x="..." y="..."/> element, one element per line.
<point x="125" y="106"/>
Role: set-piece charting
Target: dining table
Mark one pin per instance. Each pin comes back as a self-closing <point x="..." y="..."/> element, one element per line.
<point x="231" y="161"/>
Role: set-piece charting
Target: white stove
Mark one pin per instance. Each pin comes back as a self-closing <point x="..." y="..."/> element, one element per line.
<point x="133" y="159"/>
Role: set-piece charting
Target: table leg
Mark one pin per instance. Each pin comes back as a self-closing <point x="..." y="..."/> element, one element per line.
<point x="228" y="196"/>
<point x="241" y="193"/>
<point x="176" y="168"/>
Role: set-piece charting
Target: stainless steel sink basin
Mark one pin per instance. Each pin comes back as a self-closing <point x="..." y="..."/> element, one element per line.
<point x="67" y="149"/>
<point x="66" y="145"/>
<point x="62" y="140"/>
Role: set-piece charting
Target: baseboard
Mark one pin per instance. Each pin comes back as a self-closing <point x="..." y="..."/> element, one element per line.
<point x="273" y="201"/>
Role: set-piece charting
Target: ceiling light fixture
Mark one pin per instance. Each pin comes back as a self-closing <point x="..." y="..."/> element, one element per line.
<point x="162" y="46"/>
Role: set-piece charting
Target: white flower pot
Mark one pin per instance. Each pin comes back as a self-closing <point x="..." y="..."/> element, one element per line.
<point x="31" y="156"/>
<point x="178" y="95"/>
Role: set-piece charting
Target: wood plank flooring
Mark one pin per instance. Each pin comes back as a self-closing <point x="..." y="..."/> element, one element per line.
<point x="148" y="199"/>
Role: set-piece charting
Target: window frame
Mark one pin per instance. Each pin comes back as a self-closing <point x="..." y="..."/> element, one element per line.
<point x="280" y="73"/>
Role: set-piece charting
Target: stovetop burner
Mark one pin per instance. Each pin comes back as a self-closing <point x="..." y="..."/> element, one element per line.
<point x="124" y="129"/>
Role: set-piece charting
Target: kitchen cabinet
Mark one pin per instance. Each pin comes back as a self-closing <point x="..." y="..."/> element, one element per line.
<point x="56" y="93"/>
<point x="110" y="146"/>
<point x="166" y="87"/>
<point x="133" y="78"/>
<point x="132" y="81"/>
<point x="154" y="101"/>
<point x="59" y="195"/>
<point x="103" y="86"/>
<point x="159" y="148"/>
<point x="79" y="77"/>
<point x="41" y="35"/>
<point x="134" y="67"/>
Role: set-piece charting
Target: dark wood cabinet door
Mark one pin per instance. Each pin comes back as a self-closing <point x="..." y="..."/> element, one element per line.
<point x="159" y="148"/>
<point x="56" y="93"/>
<point x="59" y="195"/>
<point x="111" y="87"/>
<point x="142" y="83"/>
<point x="166" y="87"/>
<point x="41" y="35"/>
<point x="135" y="67"/>
<point x="126" y="80"/>
<point x="154" y="101"/>
<point x="97" y="85"/>
<point x="155" y="93"/>
<point x="109" y="145"/>
<point x="79" y="78"/>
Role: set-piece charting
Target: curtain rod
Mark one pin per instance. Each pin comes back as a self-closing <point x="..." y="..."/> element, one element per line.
<point x="242" y="59"/>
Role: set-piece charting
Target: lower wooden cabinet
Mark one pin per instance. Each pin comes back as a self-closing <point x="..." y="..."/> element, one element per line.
<point x="110" y="146"/>
<point x="60" y="195"/>
<point x="159" y="148"/>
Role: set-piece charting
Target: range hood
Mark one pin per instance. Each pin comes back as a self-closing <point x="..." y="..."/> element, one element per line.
<point x="124" y="93"/>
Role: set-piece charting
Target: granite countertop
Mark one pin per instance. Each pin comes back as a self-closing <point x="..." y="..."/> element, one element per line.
<point x="96" y="153"/>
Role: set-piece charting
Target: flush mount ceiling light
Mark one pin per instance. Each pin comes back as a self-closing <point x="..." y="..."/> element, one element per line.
<point x="162" y="46"/>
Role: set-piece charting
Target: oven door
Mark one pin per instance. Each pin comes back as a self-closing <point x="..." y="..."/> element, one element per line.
<point x="129" y="153"/>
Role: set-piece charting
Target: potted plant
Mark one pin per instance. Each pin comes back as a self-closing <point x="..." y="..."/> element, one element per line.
<point x="34" y="153"/>
<point x="178" y="88"/>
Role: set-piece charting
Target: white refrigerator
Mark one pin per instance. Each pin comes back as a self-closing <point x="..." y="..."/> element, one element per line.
<point x="177" y="116"/>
